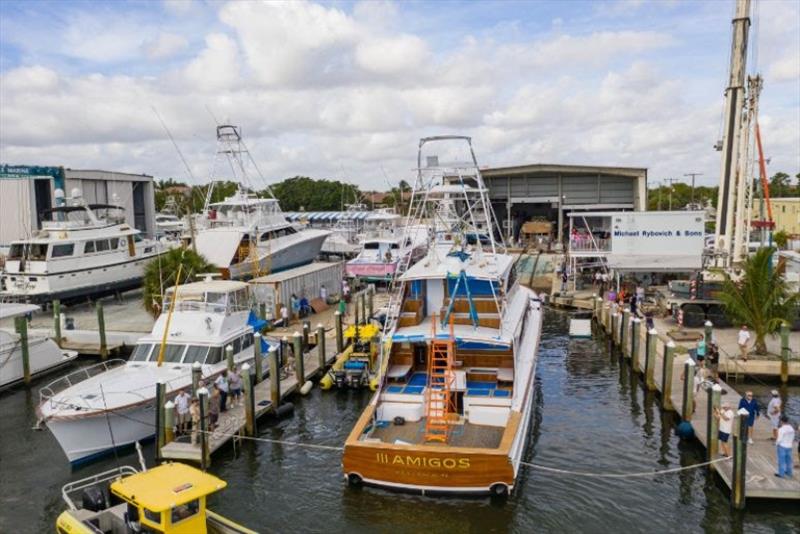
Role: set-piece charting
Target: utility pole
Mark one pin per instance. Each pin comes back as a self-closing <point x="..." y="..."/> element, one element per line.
<point x="693" y="175"/>
<point x="670" y="181"/>
<point x="659" y="196"/>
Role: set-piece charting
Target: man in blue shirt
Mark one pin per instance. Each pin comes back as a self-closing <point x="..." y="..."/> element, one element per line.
<point x="751" y="405"/>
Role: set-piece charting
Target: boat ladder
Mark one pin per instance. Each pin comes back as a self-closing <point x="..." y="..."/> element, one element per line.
<point x="439" y="405"/>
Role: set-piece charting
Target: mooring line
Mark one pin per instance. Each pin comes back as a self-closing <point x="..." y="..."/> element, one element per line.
<point x="625" y="475"/>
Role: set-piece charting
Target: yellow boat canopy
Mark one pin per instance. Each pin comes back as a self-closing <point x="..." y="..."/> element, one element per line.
<point x="365" y="332"/>
<point x="167" y="486"/>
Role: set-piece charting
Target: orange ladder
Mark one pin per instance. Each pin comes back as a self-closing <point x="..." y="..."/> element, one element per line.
<point x="439" y="399"/>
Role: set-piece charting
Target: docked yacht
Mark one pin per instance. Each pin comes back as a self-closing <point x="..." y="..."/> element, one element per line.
<point x="453" y="401"/>
<point x="43" y="354"/>
<point x="246" y="236"/>
<point x="380" y="256"/>
<point x="82" y="250"/>
<point x="111" y="404"/>
<point x="168" y="223"/>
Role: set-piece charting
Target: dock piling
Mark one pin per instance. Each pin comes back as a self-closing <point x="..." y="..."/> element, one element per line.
<point x="169" y="422"/>
<point x="635" y="339"/>
<point x="248" y="378"/>
<point x="262" y="311"/>
<point x="299" y="367"/>
<point x="205" y="455"/>
<point x="21" y="324"/>
<point x="161" y="397"/>
<point x="623" y="338"/>
<point x="708" y="332"/>
<point x="274" y="378"/>
<point x="229" y="356"/>
<point x="306" y="332"/>
<point x="785" y="352"/>
<point x="739" y="461"/>
<point x="197" y="373"/>
<point x="666" y="376"/>
<point x="370" y="301"/>
<point x="650" y="360"/>
<point x="362" y="298"/>
<point x="284" y="351"/>
<point x="257" y="358"/>
<point x="57" y="321"/>
<point x="321" y="347"/>
<point x="712" y="428"/>
<point x="339" y="339"/>
<point x="688" y="390"/>
<point x="101" y="326"/>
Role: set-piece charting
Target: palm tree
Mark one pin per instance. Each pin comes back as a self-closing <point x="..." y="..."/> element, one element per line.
<point x="160" y="274"/>
<point x="760" y="298"/>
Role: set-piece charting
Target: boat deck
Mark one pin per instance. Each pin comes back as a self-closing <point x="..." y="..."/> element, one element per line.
<point x="461" y="435"/>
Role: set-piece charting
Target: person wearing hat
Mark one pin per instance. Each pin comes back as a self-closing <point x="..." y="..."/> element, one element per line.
<point x="774" y="413"/>
<point x="725" y="417"/>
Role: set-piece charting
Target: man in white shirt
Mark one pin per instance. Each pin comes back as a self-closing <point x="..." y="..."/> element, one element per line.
<point x="744" y="338"/>
<point x="182" y="410"/>
<point x="323" y="294"/>
<point x="222" y="384"/>
<point x="284" y="315"/>
<point x="784" y="448"/>
<point x="725" y="417"/>
<point x="774" y="413"/>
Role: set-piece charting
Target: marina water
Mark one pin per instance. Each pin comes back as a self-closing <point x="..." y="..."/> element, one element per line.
<point x="592" y="415"/>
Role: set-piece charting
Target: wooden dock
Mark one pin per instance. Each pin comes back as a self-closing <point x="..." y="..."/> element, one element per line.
<point x="760" y="479"/>
<point x="232" y="422"/>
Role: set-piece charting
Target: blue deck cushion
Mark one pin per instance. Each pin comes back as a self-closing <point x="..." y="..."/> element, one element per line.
<point x="414" y="390"/>
<point x="474" y="384"/>
<point x="355" y="365"/>
<point x="502" y="393"/>
<point x="478" y="392"/>
<point x="394" y="389"/>
<point x="418" y="379"/>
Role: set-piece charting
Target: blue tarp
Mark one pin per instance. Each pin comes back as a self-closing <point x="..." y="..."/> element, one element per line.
<point x="476" y="287"/>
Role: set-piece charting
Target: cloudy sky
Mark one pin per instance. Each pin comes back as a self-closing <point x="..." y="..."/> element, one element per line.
<point x="345" y="89"/>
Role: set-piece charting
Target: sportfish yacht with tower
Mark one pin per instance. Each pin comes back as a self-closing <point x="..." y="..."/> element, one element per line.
<point x="453" y="404"/>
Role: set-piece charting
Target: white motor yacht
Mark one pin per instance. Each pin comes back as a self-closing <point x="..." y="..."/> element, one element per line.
<point x="82" y="250"/>
<point x="99" y="408"/>
<point x="43" y="354"/>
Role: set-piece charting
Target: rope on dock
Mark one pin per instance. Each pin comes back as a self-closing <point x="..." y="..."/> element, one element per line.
<point x="625" y="475"/>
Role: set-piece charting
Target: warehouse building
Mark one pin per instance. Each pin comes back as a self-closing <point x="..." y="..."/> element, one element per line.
<point x="26" y="191"/>
<point x="551" y="192"/>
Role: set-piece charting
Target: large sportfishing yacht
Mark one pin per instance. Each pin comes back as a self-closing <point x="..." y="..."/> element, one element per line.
<point x="111" y="404"/>
<point x="246" y="236"/>
<point x="453" y="401"/>
<point x="82" y="250"/>
<point x="381" y="255"/>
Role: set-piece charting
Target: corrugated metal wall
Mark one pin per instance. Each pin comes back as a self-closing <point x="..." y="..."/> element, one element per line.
<point x="306" y="285"/>
<point x="591" y="189"/>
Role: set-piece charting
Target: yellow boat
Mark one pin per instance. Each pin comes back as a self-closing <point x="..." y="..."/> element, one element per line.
<point x="354" y="367"/>
<point x="168" y="499"/>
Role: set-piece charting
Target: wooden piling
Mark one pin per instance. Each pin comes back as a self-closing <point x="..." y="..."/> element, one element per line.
<point x="101" y="326"/>
<point x="299" y="364"/>
<point x="284" y="351"/>
<point x="161" y="397"/>
<point x="229" y="356"/>
<point x="306" y="332"/>
<point x="650" y="360"/>
<point x="169" y="422"/>
<point x="666" y="375"/>
<point x="205" y="455"/>
<point x="785" y="352"/>
<point x="248" y="382"/>
<point x="712" y="428"/>
<point x="262" y="311"/>
<point x="357" y="320"/>
<point x="708" y="332"/>
<point x="739" y="461"/>
<point x="57" y="321"/>
<point x="635" y="339"/>
<point x="274" y="378"/>
<point x="21" y="324"/>
<point x="623" y="338"/>
<point x="257" y="355"/>
<point x="370" y="301"/>
<point x="197" y="373"/>
<point x="339" y="332"/>
<point x="688" y="390"/>
<point x="614" y="329"/>
<point x="321" y="348"/>
<point x="363" y="301"/>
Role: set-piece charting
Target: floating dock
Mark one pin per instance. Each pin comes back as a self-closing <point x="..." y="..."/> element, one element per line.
<point x="632" y="339"/>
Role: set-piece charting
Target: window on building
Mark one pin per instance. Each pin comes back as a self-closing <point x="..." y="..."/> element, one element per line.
<point x="59" y="251"/>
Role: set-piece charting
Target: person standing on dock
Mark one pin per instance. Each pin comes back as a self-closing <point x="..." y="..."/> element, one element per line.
<point x="213" y="407"/>
<point x="342" y="307"/>
<point x="194" y="411"/>
<point x="235" y="382"/>
<point x="295" y="302"/>
<point x="284" y="316"/>
<point x="323" y="293"/>
<point x="221" y="383"/>
<point x="751" y="405"/>
<point x="700" y="352"/>
<point x="182" y="401"/>
<point x="774" y="413"/>
<point x="783" y="445"/>
<point x="744" y="338"/>
<point x="725" y="417"/>
<point x="713" y="361"/>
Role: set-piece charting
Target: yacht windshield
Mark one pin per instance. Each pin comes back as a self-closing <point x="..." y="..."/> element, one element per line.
<point x="141" y="352"/>
<point x="195" y="353"/>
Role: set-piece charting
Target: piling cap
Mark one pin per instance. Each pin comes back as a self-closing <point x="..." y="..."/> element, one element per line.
<point x="653" y="332"/>
<point x="245" y="368"/>
<point x="229" y="348"/>
<point x="671" y="344"/>
<point x="690" y="362"/>
<point x="284" y="338"/>
<point x="708" y="323"/>
<point x="337" y="312"/>
<point x="297" y="334"/>
<point x="743" y="411"/>
<point x="717" y="387"/>
<point x="257" y="334"/>
<point x="169" y="405"/>
<point x="320" y="325"/>
<point x="196" y="365"/>
<point x="202" y="391"/>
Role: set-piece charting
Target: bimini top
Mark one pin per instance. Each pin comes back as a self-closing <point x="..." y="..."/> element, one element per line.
<point x="208" y="286"/>
<point x="484" y="266"/>
<point x="10" y="309"/>
<point x="167" y="486"/>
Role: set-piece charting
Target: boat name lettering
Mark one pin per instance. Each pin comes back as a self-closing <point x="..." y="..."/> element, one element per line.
<point x="423" y="461"/>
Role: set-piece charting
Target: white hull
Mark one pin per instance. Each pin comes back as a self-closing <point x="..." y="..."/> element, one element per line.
<point x="44" y="355"/>
<point x="284" y="255"/>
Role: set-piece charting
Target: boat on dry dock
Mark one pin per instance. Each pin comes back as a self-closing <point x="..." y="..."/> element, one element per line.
<point x="96" y="409"/>
<point x="453" y="404"/>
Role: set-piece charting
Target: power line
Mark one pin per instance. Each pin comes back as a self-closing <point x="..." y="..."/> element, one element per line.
<point x="693" y="175"/>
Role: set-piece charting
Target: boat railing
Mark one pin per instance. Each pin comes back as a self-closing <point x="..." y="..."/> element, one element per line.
<point x="55" y="387"/>
<point x="77" y="486"/>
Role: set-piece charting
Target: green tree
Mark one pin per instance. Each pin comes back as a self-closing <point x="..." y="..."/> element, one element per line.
<point x="781" y="239"/>
<point x="160" y="274"/>
<point x="760" y="298"/>
<point x="314" y="195"/>
<point x="779" y="185"/>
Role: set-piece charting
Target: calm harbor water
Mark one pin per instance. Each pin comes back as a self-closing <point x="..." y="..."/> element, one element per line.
<point x="591" y="415"/>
